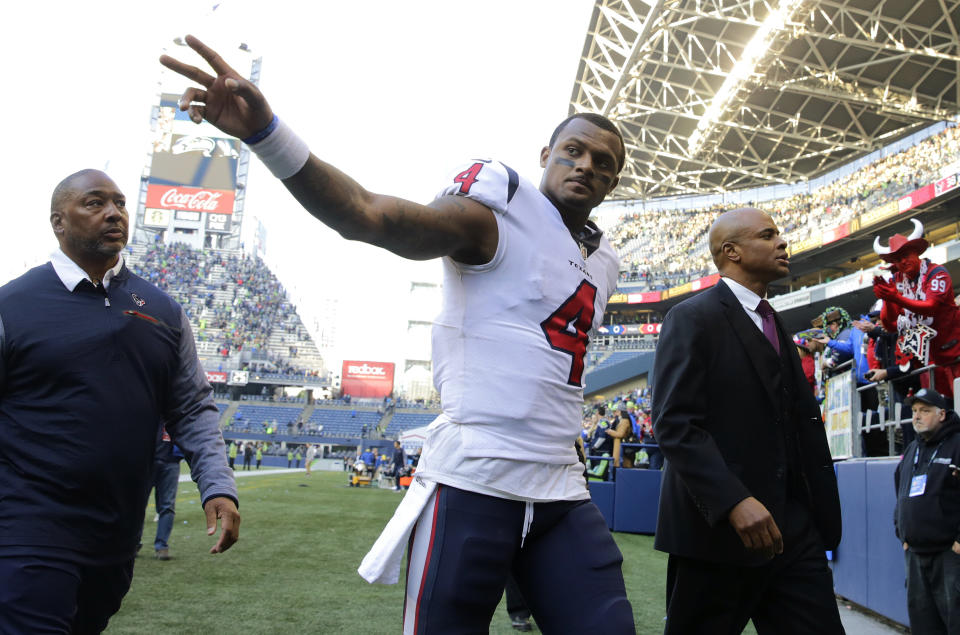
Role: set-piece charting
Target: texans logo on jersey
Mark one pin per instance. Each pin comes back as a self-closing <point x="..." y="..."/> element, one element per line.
<point x="137" y="299"/>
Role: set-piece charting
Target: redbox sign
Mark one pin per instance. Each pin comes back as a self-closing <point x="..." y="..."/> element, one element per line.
<point x="193" y="199"/>
<point x="366" y="379"/>
<point x="216" y="377"/>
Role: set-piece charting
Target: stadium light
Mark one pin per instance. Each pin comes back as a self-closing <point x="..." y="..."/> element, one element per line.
<point x="754" y="52"/>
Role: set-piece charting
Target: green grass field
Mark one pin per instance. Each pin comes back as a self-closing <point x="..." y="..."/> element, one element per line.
<point x="294" y="568"/>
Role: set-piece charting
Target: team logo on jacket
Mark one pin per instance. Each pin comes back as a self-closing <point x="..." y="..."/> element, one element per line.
<point x="137" y="299"/>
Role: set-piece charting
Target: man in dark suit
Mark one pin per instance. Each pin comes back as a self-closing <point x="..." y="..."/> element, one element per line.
<point x="749" y="500"/>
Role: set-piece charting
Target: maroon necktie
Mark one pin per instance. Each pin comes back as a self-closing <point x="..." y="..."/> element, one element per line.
<point x="769" y="326"/>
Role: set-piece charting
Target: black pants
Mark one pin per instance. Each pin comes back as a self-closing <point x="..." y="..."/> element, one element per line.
<point x="791" y="595"/>
<point x="47" y="595"/>
<point x="933" y="592"/>
<point x="516" y="606"/>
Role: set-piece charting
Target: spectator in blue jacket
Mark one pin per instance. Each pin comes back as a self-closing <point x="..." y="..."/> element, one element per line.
<point x="849" y="343"/>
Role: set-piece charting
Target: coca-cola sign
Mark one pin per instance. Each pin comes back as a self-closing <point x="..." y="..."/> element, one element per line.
<point x="192" y="199"/>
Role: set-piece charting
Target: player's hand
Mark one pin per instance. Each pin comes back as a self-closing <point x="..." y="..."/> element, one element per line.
<point x="756" y="527"/>
<point x="226" y="510"/>
<point x="906" y="546"/>
<point x="876" y="374"/>
<point x="228" y="101"/>
<point x="823" y="339"/>
<point x="863" y="325"/>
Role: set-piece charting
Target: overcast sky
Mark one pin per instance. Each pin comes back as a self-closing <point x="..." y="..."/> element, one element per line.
<point x="394" y="93"/>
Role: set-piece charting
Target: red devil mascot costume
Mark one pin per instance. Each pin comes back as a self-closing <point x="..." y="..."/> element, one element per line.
<point x="918" y="305"/>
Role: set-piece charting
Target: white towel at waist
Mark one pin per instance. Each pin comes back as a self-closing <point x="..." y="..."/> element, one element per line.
<point x="382" y="563"/>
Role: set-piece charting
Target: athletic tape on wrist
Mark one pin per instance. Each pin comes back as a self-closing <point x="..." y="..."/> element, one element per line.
<point x="282" y="151"/>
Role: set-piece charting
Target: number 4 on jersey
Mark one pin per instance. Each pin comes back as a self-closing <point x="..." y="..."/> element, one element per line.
<point x="468" y="177"/>
<point x="567" y="327"/>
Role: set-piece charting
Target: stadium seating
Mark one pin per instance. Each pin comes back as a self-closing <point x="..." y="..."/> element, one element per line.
<point x="660" y="248"/>
<point x="341" y="422"/>
<point x="238" y="310"/>
<point x="255" y="418"/>
<point x="403" y="421"/>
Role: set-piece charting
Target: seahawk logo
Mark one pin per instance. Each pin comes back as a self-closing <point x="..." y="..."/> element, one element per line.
<point x="137" y="299"/>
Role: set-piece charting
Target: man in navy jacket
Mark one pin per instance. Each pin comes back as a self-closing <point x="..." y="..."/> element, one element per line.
<point x="94" y="362"/>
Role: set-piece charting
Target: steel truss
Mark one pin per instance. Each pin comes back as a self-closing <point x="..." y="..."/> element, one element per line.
<point x="838" y="79"/>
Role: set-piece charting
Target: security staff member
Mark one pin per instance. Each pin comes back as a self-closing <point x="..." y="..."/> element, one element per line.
<point x="927" y="517"/>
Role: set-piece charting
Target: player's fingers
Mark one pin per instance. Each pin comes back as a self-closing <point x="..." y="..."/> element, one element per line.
<point x="229" y="531"/>
<point x="191" y="95"/>
<point x="197" y="112"/>
<point x="213" y="58"/>
<point x="210" y="511"/>
<point x="248" y="92"/>
<point x="190" y="72"/>
<point x="777" y="537"/>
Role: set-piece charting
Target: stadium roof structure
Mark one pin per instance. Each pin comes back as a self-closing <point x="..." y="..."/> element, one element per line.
<point x="721" y="95"/>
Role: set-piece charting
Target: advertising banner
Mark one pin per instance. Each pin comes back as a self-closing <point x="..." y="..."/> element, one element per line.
<point x="216" y="377"/>
<point x="917" y="197"/>
<point x="945" y="185"/>
<point x="642" y="298"/>
<point x="838" y="415"/>
<point x="618" y="298"/>
<point x="682" y="289"/>
<point x="878" y="214"/>
<point x="194" y="167"/>
<point x="803" y="245"/>
<point x="367" y="379"/>
<point x="193" y="199"/>
<point x="835" y="233"/>
<point x="705" y="282"/>
<point x="630" y="329"/>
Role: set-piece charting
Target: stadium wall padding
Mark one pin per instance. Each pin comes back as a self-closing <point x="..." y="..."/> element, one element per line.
<point x="603" y="493"/>
<point x="637" y="501"/>
<point x="868" y="565"/>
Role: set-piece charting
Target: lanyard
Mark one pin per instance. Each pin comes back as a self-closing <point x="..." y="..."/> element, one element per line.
<point x="916" y="457"/>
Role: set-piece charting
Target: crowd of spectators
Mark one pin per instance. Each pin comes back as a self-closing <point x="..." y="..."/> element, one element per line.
<point x="238" y="309"/>
<point x="608" y="424"/>
<point x="664" y="248"/>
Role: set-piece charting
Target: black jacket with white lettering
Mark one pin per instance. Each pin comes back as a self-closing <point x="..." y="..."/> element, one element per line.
<point x="930" y="522"/>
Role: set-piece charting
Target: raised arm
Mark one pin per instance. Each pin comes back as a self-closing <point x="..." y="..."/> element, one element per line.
<point x="450" y="226"/>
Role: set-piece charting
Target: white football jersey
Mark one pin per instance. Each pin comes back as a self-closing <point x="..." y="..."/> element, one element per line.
<point x="510" y="341"/>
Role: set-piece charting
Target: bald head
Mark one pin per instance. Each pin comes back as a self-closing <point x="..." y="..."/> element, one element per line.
<point x="69" y="186"/>
<point x="747" y="247"/>
<point x="731" y="227"/>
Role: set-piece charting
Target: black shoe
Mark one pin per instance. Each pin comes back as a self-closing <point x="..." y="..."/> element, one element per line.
<point x="521" y="624"/>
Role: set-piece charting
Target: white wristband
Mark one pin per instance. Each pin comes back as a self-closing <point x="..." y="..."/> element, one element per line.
<point x="283" y="152"/>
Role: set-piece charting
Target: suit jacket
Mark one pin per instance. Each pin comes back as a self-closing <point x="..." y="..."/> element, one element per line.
<point x="721" y="398"/>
